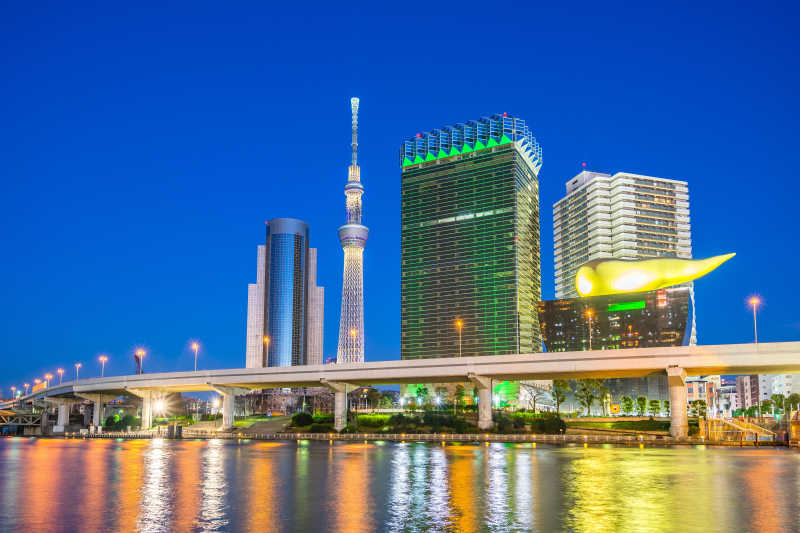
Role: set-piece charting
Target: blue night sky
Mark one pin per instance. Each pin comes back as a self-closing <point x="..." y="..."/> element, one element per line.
<point x="143" y="149"/>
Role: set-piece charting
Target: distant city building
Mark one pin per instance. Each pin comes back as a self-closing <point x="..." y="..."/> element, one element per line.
<point x="284" y="306"/>
<point x="624" y="216"/>
<point x="785" y="384"/>
<point x="470" y="257"/>
<point x="353" y="237"/>
<point x="703" y="388"/>
<point x="753" y="389"/>
<point x="632" y="320"/>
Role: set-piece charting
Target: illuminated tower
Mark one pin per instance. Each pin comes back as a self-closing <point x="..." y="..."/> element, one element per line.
<point x="353" y="236"/>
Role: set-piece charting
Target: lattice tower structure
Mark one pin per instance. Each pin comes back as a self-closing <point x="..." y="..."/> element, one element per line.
<point x="353" y="237"/>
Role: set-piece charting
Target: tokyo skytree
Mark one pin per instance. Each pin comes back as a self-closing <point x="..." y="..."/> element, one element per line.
<point x="353" y="236"/>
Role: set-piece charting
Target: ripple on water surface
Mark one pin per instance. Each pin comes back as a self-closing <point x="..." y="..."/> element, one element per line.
<point x="220" y="485"/>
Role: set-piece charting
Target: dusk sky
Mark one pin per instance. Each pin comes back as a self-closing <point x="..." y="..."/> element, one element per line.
<point x="144" y="147"/>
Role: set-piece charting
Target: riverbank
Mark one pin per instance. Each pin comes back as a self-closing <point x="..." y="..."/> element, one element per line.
<point x="443" y="438"/>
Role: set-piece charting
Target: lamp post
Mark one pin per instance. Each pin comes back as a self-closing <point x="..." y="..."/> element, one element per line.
<point x="459" y="326"/>
<point x="48" y="377"/>
<point x="26" y="388"/>
<point x="60" y="375"/>
<point x="589" y="314"/>
<point x="77" y="370"/>
<point x="103" y="360"/>
<point x="266" y="349"/>
<point x="13" y="392"/>
<point x="140" y="355"/>
<point x="195" y="347"/>
<point x="754" y="303"/>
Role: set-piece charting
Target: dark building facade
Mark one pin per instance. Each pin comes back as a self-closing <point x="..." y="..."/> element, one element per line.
<point x="470" y="240"/>
<point x="633" y="320"/>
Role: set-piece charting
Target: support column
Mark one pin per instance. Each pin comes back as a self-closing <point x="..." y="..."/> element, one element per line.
<point x="63" y="415"/>
<point x="484" y="386"/>
<point x="147" y="406"/>
<point x="339" y="403"/>
<point x="679" y="422"/>
<point x="228" y="403"/>
<point x="97" y="407"/>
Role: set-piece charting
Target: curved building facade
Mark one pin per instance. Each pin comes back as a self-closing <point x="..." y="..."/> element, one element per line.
<point x="284" y="304"/>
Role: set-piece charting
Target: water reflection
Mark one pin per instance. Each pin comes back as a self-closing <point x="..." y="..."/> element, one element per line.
<point x="214" y="490"/>
<point x="68" y="485"/>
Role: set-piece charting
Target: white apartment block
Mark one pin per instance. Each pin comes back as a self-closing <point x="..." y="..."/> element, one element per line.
<point x="624" y="216"/>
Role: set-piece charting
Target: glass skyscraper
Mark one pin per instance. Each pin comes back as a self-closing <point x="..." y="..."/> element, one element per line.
<point x="280" y="321"/>
<point x="470" y="273"/>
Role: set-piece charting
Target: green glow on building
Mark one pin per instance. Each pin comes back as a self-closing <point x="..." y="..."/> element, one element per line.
<point x="454" y="151"/>
<point x="418" y="159"/>
<point x="442" y="154"/>
<point x="479" y="146"/>
<point x="491" y="142"/>
<point x="504" y="139"/>
<point x="430" y="157"/>
<point x="470" y="250"/>
<point x="407" y="161"/>
<point x="626" y="306"/>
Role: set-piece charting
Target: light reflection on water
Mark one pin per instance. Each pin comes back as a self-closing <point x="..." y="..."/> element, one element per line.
<point x="159" y="485"/>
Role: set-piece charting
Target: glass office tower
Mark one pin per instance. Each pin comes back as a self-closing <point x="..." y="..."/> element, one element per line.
<point x="279" y="317"/>
<point x="470" y="274"/>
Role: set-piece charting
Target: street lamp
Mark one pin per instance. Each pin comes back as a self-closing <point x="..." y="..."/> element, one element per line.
<point x="77" y="370"/>
<point x="589" y="314"/>
<point x="48" y="377"/>
<point x="460" y="326"/>
<point x="754" y="303"/>
<point x="60" y="375"/>
<point x="37" y="381"/>
<point x="140" y="355"/>
<point x="13" y="391"/>
<point x="195" y="347"/>
<point x="103" y="360"/>
<point x="26" y="388"/>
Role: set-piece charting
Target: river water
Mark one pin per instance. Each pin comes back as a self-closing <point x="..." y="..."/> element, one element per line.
<point x="52" y="485"/>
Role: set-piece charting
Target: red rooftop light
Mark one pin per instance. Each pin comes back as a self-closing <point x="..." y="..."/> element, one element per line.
<point x="505" y="114"/>
<point x="419" y="135"/>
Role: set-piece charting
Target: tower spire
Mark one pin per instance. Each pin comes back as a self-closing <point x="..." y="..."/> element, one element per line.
<point x="354" y="143"/>
<point x="353" y="236"/>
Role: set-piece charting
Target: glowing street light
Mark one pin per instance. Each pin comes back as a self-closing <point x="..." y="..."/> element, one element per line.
<point x="459" y="326"/>
<point x="37" y="381"/>
<point x="195" y="347"/>
<point x="102" y="360"/>
<point x="60" y="375"/>
<point x="26" y="388"/>
<point x="13" y="391"/>
<point x="48" y="377"/>
<point x="140" y="355"/>
<point x="589" y="314"/>
<point x="159" y="406"/>
<point x="77" y="370"/>
<point x="754" y="303"/>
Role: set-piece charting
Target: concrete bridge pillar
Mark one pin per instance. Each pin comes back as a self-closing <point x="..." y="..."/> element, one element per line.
<point x="339" y="403"/>
<point x="228" y="403"/>
<point x="63" y="415"/>
<point x="679" y="423"/>
<point x="484" y="386"/>
<point x="97" y="407"/>
<point x="147" y="406"/>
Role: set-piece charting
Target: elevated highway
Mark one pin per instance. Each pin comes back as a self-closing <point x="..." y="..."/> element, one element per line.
<point x="675" y="362"/>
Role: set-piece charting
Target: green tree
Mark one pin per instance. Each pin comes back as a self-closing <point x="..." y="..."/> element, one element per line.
<point x="794" y="401"/>
<point x="641" y="405"/>
<point x="422" y="394"/>
<point x="626" y="402"/>
<point x="655" y="407"/>
<point x="559" y="392"/>
<point x="766" y="407"/>
<point x="666" y="407"/>
<point x="587" y="392"/>
<point x="777" y="402"/>
<point x="699" y="408"/>
<point x="373" y="395"/>
<point x="458" y="397"/>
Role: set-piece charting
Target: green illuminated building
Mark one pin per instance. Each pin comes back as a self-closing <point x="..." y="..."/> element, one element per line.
<point x="470" y="240"/>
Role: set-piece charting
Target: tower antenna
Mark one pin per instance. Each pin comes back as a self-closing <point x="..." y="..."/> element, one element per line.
<point x="354" y="144"/>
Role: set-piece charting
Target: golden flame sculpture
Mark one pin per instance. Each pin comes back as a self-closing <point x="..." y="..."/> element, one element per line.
<point x="615" y="276"/>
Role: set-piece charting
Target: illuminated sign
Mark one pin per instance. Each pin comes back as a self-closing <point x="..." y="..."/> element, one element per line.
<point x="626" y="306"/>
<point x="39" y="386"/>
<point x="614" y="408"/>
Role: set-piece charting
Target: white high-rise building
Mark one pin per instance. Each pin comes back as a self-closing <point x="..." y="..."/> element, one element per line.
<point x="353" y="237"/>
<point x="624" y="216"/>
